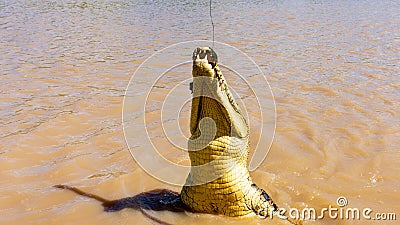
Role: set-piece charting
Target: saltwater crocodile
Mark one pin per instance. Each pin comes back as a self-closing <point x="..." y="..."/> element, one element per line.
<point x="219" y="181"/>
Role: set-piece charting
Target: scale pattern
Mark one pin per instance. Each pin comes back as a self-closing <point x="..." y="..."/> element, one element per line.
<point x="219" y="181"/>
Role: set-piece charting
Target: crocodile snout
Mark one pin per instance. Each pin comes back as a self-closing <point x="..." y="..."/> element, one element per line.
<point x="205" y="54"/>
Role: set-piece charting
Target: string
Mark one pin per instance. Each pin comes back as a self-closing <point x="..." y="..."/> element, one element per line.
<point x="212" y="24"/>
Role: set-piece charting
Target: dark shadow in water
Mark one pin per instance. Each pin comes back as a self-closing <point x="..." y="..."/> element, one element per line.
<point x="157" y="200"/>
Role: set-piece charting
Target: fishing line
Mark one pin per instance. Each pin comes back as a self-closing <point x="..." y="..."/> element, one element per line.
<point x="212" y="24"/>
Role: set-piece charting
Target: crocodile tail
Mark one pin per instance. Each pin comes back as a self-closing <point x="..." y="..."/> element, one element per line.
<point x="260" y="202"/>
<point x="262" y="205"/>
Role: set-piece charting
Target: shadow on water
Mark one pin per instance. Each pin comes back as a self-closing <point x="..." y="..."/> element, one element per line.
<point x="157" y="200"/>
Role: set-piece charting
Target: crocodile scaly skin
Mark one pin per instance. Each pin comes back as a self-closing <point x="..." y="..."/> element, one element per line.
<point x="219" y="181"/>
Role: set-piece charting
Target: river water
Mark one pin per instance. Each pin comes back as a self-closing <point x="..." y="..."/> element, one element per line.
<point x="333" y="67"/>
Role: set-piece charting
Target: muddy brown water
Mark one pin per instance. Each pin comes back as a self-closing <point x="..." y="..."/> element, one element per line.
<point x="333" y="67"/>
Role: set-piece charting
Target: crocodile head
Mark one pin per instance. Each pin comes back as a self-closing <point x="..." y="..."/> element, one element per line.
<point x="212" y="98"/>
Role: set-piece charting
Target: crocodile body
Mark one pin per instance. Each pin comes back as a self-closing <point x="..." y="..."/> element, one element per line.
<point x="219" y="181"/>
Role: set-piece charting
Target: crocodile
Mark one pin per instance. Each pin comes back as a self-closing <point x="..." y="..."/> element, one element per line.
<point x="219" y="181"/>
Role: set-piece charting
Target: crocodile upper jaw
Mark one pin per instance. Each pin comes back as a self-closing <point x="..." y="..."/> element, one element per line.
<point x="208" y="82"/>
